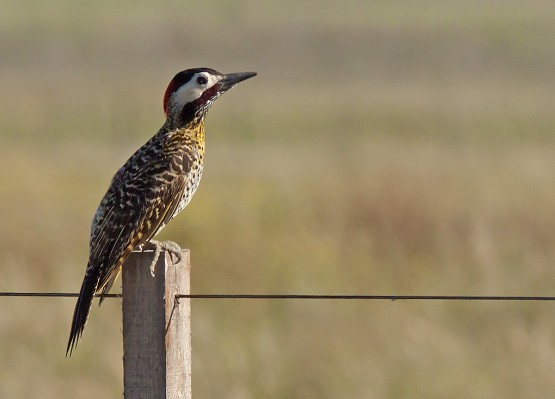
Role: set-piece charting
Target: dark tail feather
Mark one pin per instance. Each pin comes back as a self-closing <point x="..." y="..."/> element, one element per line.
<point x="107" y="289"/>
<point x="82" y="308"/>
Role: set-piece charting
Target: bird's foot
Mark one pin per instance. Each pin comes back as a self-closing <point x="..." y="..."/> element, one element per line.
<point x="158" y="247"/>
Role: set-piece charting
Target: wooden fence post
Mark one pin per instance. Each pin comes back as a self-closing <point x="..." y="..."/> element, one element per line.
<point x="156" y="327"/>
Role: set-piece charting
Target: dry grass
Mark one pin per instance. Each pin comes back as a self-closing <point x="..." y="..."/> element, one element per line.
<point x="384" y="148"/>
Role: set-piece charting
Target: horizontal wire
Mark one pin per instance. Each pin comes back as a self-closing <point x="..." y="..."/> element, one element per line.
<point x="54" y="294"/>
<point x="371" y="297"/>
<point x="306" y="296"/>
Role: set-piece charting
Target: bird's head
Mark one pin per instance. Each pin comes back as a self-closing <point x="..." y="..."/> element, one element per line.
<point x="191" y="92"/>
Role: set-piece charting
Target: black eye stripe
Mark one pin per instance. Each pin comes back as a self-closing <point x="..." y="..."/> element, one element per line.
<point x="201" y="80"/>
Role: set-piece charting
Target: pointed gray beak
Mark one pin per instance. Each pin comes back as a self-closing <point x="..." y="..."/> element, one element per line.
<point x="231" y="79"/>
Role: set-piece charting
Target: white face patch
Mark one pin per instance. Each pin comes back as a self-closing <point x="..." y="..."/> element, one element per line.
<point x="194" y="88"/>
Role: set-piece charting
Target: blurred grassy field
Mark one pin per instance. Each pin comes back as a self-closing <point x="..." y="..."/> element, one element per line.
<point x="385" y="148"/>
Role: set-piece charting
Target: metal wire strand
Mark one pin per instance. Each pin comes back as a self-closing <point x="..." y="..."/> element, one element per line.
<point x="306" y="296"/>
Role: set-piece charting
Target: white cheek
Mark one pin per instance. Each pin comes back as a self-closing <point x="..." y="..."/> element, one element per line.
<point x="212" y="80"/>
<point x="187" y="93"/>
<point x="191" y="91"/>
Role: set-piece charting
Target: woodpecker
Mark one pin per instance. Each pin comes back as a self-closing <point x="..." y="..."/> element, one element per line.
<point x="152" y="187"/>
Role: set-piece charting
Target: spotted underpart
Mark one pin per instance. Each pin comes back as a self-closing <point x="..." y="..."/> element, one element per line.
<point x="152" y="187"/>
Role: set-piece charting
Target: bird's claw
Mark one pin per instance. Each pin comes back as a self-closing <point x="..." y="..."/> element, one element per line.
<point x="158" y="247"/>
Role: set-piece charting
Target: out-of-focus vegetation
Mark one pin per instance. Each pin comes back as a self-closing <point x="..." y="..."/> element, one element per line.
<point x="399" y="147"/>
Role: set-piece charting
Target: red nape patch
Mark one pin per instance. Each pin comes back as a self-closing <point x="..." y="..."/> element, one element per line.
<point x="167" y="94"/>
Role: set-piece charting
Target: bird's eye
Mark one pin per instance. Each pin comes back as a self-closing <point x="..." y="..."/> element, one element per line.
<point x="201" y="80"/>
